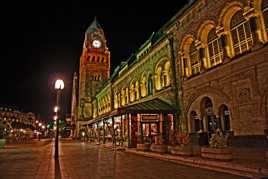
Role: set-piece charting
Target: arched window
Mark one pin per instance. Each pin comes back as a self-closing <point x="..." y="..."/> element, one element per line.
<point x="224" y="122"/>
<point x="158" y="80"/>
<point x="265" y="13"/>
<point x="143" y="86"/>
<point x="241" y="33"/>
<point x="166" y="74"/>
<point x="132" y="92"/>
<point x="137" y="90"/>
<point x="93" y="59"/>
<point x="215" y="49"/>
<point x="195" y="61"/>
<point x="208" y="115"/>
<point x="115" y="101"/>
<point x="150" y="84"/>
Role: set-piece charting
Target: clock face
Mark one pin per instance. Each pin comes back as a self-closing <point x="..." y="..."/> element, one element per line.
<point x="96" y="43"/>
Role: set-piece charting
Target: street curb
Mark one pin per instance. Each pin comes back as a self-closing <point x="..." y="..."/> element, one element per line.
<point x="226" y="167"/>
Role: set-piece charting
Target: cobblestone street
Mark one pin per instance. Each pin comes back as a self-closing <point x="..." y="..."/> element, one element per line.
<point x="78" y="161"/>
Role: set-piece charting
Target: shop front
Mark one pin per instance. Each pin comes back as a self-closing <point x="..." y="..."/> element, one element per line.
<point x="149" y="122"/>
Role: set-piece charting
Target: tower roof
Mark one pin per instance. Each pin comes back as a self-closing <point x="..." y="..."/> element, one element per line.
<point x="93" y="26"/>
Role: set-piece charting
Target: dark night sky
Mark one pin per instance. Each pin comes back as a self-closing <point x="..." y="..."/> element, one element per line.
<point x="44" y="40"/>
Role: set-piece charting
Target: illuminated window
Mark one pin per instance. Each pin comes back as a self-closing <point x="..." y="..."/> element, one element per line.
<point x="115" y="101"/>
<point x="166" y="74"/>
<point x="265" y="13"/>
<point x="158" y="80"/>
<point x="123" y="97"/>
<point x="215" y="49"/>
<point x="132" y="92"/>
<point x="241" y="33"/>
<point x="137" y="90"/>
<point x="143" y="86"/>
<point x="195" y="62"/>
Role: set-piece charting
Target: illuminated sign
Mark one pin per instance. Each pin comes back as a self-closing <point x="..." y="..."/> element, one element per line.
<point x="150" y="118"/>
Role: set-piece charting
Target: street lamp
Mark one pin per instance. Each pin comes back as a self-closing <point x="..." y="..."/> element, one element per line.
<point x="59" y="85"/>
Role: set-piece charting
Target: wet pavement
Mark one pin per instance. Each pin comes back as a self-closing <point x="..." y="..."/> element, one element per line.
<point x="86" y="161"/>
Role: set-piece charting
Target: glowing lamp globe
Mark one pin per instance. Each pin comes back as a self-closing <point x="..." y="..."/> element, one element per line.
<point x="59" y="84"/>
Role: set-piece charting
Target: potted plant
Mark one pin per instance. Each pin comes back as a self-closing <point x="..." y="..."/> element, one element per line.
<point x="182" y="144"/>
<point x="218" y="147"/>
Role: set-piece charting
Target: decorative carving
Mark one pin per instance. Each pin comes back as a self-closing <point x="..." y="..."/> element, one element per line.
<point x="244" y="95"/>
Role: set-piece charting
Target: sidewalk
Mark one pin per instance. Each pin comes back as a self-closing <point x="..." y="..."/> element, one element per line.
<point x="246" y="162"/>
<point x="34" y="142"/>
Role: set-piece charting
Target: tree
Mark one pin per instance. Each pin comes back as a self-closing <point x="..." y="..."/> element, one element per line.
<point x="2" y="130"/>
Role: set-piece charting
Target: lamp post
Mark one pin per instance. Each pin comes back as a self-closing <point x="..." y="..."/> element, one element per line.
<point x="59" y="85"/>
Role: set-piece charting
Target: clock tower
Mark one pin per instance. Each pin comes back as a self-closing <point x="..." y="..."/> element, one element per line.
<point x="94" y="69"/>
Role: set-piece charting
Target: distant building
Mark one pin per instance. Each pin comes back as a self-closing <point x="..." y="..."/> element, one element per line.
<point x="16" y="119"/>
<point x="205" y="69"/>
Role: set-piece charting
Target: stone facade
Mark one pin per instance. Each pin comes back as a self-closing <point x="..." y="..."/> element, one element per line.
<point x="209" y="62"/>
<point x="238" y="81"/>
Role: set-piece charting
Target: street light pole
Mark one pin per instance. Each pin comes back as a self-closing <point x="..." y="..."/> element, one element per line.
<point x="59" y="85"/>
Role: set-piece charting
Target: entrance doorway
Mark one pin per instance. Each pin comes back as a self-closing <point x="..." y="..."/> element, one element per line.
<point x="149" y="131"/>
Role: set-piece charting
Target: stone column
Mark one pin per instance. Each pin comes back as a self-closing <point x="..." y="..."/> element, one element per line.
<point x="200" y="55"/>
<point x="223" y="40"/>
<point x="139" y="129"/>
<point x="254" y="28"/>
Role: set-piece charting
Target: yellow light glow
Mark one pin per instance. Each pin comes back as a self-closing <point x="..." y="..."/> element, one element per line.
<point x="56" y="108"/>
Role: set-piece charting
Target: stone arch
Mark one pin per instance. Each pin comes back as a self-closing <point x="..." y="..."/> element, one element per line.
<point x="204" y="30"/>
<point x="195" y="104"/>
<point x="185" y="55"/>
<point x="158" y="70"/>
<point x="186" y="43"/>
<point x="208" y="91"/>
<point x="161" y="62"/>
<point x="228" y="11"/>
<point x="202" y="35"/>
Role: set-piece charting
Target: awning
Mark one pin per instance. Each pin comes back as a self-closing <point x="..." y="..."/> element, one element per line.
<point x="153" y="106"/>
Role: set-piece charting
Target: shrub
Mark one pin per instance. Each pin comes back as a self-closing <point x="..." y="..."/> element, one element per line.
<point x="218" y="140"/>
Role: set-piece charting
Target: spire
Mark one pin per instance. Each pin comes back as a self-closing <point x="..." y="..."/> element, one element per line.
<point x="94" y="26"/>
